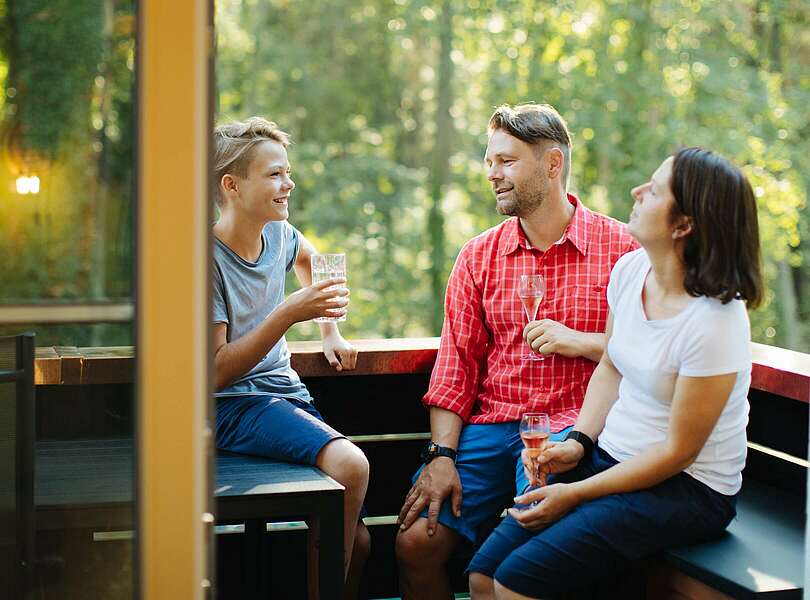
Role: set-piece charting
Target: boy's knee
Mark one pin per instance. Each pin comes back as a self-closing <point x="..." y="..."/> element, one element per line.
<point x="345" y="462"/>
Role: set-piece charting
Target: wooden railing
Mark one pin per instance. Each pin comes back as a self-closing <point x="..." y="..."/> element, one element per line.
<point x="775" y="370"/>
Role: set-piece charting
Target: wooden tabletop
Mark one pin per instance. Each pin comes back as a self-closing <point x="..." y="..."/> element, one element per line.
<point x="776" y="370"/>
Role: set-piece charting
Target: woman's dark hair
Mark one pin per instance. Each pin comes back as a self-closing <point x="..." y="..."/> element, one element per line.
<point x="722" y="250"/>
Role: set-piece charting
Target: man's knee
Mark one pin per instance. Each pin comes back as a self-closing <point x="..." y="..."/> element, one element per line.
<point x="345" y="462"/>
<point x="416" y="549"/>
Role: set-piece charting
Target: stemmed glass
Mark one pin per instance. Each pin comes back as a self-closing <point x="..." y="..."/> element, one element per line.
<point x="530" y="290"/>
<point x="535" y="429"/>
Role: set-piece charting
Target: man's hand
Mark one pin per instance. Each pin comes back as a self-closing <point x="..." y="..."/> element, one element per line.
<point x="553" y="502"/>
<point x="340" y="353"/>
<point x="550" y="337"/>
<point x="437" y="480"/>
<point x="327" y="298"/>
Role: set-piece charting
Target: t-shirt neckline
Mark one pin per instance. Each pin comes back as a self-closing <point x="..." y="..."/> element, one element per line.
<point x="239" y="258"/>
<point x="660" y="323"/>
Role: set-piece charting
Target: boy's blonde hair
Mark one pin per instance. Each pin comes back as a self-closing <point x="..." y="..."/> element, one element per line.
<point x="235" y="144"/>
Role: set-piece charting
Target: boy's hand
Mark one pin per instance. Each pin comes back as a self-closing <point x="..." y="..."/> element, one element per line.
<point x="318" y="300"/>
<point x="340" y="353"/>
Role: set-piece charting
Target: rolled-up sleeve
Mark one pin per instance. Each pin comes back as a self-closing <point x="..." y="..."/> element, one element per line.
<point x="455" y="379"/>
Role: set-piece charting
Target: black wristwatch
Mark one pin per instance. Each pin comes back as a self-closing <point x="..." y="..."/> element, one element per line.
<point x="432" y="450"/>
<point x="585" y="440"/>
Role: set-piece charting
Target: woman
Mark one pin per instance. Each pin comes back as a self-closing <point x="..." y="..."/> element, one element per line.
<point x="666" y="406"/>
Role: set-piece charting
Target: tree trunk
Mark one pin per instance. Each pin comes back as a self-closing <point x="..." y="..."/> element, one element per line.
<point x="440" y="168"/>
<point x="100" y="251"/>
<point x="791" y="325"/>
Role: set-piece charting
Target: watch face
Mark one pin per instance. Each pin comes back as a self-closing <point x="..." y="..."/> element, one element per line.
<point x="429" y="453"/>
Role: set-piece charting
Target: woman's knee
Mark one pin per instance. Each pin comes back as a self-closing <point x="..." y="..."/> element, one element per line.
<point x="481" y="586"/>
<point x="345" y="462"/>
<point x="504" y="593"/>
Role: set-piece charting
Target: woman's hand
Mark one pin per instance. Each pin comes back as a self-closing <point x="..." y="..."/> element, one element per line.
<point x="558" y="457"/>
<point x="326" y="298"/>
<point x="553" y="502"/>
<point x="535" y="473"/>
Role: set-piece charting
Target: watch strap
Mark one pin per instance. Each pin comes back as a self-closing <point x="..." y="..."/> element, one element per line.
<point x="433" y="450"/>
<point x="584" y="439"/>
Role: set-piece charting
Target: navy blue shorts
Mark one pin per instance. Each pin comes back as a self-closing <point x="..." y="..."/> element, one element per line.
<point x="599" y="538"/>
<point x="491" y="473"/>
<point x="280" y="428"/>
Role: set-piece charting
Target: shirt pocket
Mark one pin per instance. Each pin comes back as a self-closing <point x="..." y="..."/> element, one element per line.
<point x="582" y="307"/>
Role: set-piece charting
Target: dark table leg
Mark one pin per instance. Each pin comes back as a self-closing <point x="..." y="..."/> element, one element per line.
<point x="326" y="548"/>
<point x="254" y="535"/>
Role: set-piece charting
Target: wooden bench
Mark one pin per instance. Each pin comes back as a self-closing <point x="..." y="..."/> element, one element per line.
<point x="88" y="484"/>
<point x="378" y="407"/>
<point x="760" y="556"/>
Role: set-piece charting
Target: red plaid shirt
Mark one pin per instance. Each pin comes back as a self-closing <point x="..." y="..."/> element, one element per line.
<point x="479" y="373"/>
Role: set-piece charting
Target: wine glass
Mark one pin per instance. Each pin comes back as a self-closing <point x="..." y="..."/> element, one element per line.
<point x="535" y="429"/>
<point x="530" y="290"/>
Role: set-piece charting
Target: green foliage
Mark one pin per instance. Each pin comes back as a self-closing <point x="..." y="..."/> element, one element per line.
<point x="360" y="81"/>
<point x="66" y="70"/>
<point x="53" y="50"/>
<point x="360" y="85"/>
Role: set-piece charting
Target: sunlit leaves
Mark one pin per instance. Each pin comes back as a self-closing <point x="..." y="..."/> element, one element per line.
<point x="634" y="80"/>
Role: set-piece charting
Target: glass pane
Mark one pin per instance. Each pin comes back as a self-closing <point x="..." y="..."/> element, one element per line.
<point x="67" y="73"/>
<point x="66" y="237"/>
<point x="81" y="335"/>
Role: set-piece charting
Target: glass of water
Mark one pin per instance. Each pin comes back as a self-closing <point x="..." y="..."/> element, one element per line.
<point x="328" y="266"/>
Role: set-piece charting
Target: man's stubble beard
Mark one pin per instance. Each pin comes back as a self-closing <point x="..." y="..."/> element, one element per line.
<point x="524" y="202"/>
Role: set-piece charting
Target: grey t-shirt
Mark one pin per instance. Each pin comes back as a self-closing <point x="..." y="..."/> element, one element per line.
<point x="245" y="293"/>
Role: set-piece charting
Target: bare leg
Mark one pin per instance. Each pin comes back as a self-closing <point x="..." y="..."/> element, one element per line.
<point x="362" y="548"/>
<point x="502" y="593"/>
<point x="422" y="559"/>
<point x="481" y="587"/>
<point x="346" y="463"/>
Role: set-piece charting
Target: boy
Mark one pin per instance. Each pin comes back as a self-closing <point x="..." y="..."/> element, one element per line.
<point x="262" y="407"/>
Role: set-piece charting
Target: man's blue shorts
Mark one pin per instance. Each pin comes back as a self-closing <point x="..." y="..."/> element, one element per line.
<point x="280" y="428"/>
<point x="491" y="473"/>
<point x="599" y="538"/>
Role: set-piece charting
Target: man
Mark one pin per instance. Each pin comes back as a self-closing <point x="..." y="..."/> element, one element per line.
<point x="480" y="385"/>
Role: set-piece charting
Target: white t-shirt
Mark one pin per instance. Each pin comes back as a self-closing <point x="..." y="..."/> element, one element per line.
<point x="706" y="338"/>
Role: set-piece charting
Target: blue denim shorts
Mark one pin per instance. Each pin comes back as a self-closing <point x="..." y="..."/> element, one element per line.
<point x="600" y="538"/>
<point x="279" y="428"/>
<point x="491" y="473"/>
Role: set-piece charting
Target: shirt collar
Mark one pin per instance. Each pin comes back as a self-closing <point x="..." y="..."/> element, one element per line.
<point x="576" y="232"/>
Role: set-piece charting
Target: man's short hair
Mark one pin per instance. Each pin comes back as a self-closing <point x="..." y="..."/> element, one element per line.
<point x="235" y="144"/>
<point x="535" y="124"/>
